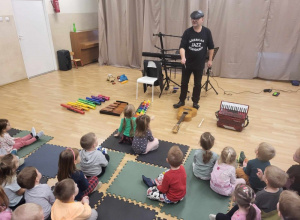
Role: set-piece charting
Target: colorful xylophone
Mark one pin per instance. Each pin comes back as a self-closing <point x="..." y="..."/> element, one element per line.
<point x="86" y="104"/>
<point x="142" y="109"/>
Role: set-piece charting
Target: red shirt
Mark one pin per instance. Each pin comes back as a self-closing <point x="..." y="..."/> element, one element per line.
<point x="174" y="184"/>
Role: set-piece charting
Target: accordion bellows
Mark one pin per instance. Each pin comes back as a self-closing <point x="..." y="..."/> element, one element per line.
<point x="232" y="116"/>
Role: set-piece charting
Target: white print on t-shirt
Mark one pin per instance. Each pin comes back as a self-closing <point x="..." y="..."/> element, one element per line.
<point x="196" y="44"/>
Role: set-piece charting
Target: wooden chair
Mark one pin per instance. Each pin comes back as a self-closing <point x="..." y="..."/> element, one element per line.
<point x="75" y="60"/>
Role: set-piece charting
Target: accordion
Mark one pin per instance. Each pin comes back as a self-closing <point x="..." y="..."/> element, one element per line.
<point x="232" y="116"/>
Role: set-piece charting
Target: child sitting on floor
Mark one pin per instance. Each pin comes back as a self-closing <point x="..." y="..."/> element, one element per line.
<point x="223" y="180"/>
<point x="28" y="211"/>
<point x="8" y="180"/>
<point x="41" y="194"/>
<point x="244" y="196"/>
<point x="204" y="159"/>
<point x="8" y="144"/>
<point x="267" y="199"/>
<point x="127" y="126"/>
<point x="65" y="207"/>
<point x="170" y="186"/>
<point x="67" y="169"/>
<point x="289" y="205"/>
<point x="93" y="162"/>
<point x="5" y="212"/>
<point x="143" y="141"/>
<point x="293" y="182"/>
<point x="264" y="153"/>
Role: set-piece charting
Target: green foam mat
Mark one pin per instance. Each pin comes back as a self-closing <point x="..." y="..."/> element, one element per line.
<point x="32" y="147"/>
<point x="129" y="182"/>
<point x="200" y="199"/>
<point x="114" y="161"/>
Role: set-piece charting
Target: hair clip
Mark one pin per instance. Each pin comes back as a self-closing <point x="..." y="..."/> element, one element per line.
<point x="72" y="152"/>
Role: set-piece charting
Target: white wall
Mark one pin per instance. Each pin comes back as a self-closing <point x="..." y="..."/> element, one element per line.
<point x="74" y="6"/>
<point x="84" y="13"/>
<point x="6" y="7"/>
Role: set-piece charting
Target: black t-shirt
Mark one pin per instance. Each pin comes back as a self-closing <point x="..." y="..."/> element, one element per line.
<point x="195" y="45"/>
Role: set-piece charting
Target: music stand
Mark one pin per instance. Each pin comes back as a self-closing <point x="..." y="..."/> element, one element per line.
<point x="205" y="85"/>
<point x="163" y="60"/>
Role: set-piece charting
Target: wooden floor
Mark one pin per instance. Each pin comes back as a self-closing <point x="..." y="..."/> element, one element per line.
<point x="36" y="102"/>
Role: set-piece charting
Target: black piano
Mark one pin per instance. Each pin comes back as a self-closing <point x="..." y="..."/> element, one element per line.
<point x="167" y="56"/>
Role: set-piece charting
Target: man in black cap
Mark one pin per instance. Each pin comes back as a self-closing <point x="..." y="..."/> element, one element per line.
<point x="193" y="48"/>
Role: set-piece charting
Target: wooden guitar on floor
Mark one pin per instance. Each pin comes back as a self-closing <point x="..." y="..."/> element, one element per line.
<point x="185" y="113"/>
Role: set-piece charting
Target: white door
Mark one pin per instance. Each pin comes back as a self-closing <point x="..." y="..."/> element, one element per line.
<point x="34" y="36"/>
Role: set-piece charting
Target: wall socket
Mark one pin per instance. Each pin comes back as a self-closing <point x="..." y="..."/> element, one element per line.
<point x="1" y="19"/>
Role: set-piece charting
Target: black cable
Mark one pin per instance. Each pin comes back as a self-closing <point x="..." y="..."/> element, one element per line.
<point x="231" y="92"/>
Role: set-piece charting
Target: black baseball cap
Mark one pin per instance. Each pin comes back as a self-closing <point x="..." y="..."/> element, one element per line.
<point x="197" y="14"/>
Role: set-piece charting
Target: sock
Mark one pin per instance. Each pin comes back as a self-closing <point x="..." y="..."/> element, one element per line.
<point x="33" y="132"/>
<point x="149" y="182"/>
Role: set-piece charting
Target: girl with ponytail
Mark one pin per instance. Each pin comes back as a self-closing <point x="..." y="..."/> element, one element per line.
<point x="8" y="180"/>
<point x="204" y="159"/>
<point x="223" y="178"/>
<point x="127" y="126"/>
<point x="143" y="141"/>
<point x="245" y="209"/>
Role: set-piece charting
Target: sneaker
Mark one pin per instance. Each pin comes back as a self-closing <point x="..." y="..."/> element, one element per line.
<point x="149" y="182"/>
<point x="212" y="217"/>
<point x="241" y="158"/>
<point x="102" y="149"/>
<point x="40" y="134"/>
<point x="33" y="132"/>
<point x="196" y="106"/>
<point x="179" y="104"/>
<point x="98" y="186"/>
<point x="14" y="151"/>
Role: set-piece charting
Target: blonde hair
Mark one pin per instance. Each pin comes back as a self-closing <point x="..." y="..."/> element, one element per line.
<point x="28" y="211"/>
<point x="265" y="151"/>
<point x="228" y="156"/>
<point x="207" y="142"/>
<point x="289" y="205"/>
<point x="276" y="177"/>
<point x="129" y="111"/>
<point x="142" y="125"/>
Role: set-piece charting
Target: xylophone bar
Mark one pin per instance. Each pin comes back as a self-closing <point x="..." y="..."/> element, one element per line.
<point x="72" y="109"/>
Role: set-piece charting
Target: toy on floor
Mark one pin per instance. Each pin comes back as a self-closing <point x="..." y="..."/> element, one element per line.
<point x="73" y="109"/>
<point x="122" y="78"/>
<point x="86" y="104"/>
<point x="115" y="109"/>
<point x="95" y="101"/>
<point x="106" y="98"/>
<point x="78" y="105"/>
<point x="142" y="109"/>
<point x="110" y="78"/>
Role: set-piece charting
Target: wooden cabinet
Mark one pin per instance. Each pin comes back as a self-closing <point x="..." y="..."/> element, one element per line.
<point x="85" y="45"/>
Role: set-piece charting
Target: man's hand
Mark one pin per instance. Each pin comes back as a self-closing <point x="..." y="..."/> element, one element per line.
<point x="183" y="61"/>
<point x="209" y="63"/>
